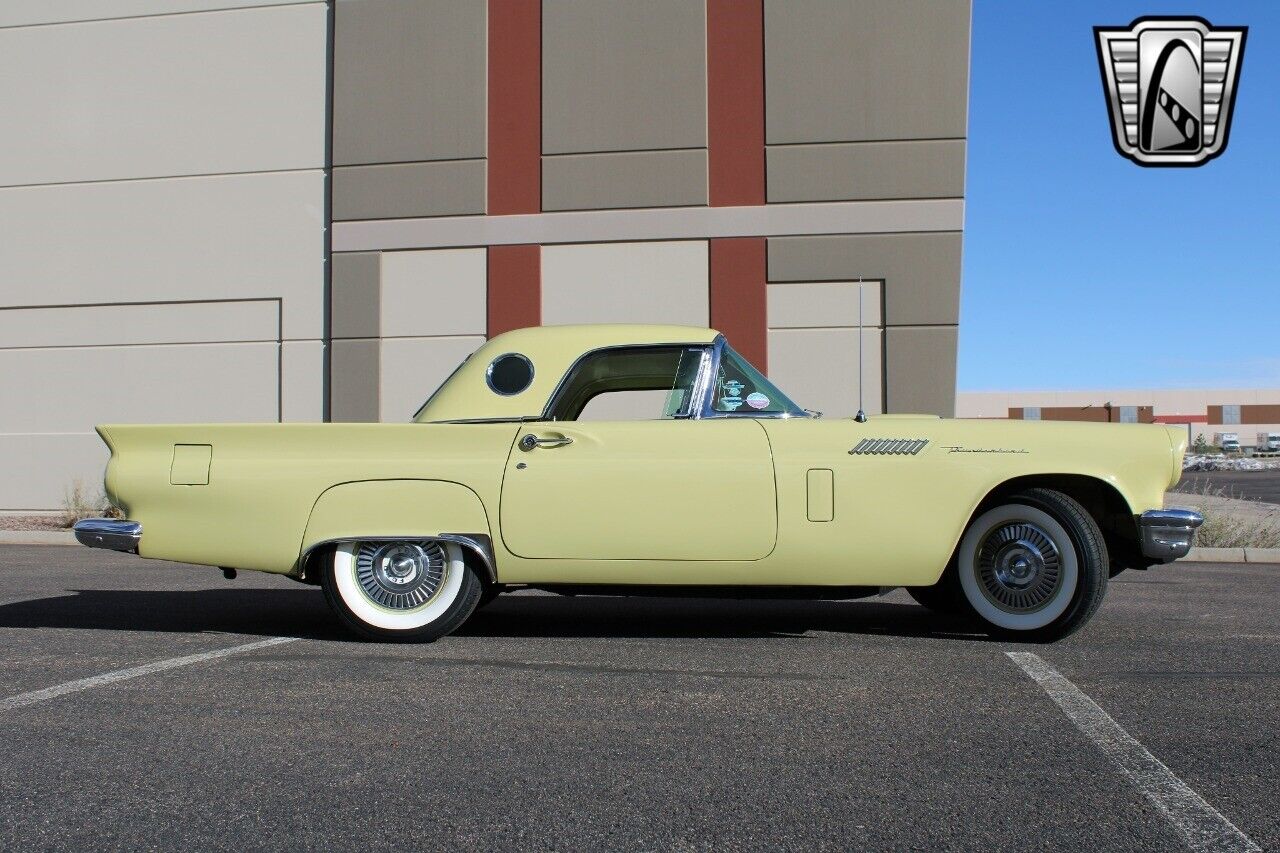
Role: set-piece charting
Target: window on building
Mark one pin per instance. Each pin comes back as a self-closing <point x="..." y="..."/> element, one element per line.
<point x="1231" y="413"/>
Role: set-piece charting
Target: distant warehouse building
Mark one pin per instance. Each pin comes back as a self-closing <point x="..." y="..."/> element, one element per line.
<point x="1248" y="412"/>
<point x="272" y="210"/>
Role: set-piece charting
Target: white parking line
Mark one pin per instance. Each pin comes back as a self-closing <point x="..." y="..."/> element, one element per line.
<point x="21" y="699"/>
<point x="1204" y="827"/>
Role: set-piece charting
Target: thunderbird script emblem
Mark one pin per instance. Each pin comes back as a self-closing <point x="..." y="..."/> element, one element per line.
<point x="1170" y="85"/>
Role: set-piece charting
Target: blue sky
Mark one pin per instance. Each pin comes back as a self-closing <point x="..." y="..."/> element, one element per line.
<point x="1084" y="270"/>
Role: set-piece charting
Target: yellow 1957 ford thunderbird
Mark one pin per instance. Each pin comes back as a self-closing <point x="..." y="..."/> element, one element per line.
<point x="522" y="471"/>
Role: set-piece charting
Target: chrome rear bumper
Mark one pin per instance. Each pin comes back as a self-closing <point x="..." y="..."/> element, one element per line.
<point x="1168" y="534"/>
<point x="110" y="533"/>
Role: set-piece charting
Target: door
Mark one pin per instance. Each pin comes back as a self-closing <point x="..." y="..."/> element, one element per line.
<point x="640" y="490"/>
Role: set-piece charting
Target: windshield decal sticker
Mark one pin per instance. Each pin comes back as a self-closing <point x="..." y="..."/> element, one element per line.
<point x="757" y="401"/>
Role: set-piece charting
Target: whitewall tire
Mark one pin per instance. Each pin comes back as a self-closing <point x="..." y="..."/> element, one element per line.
<point x="401" y="591"/>
<point x="1034" y="566"/>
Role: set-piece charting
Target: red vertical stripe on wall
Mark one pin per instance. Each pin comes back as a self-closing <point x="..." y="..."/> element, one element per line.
<point x="735" y="155"/>
<point x="515" y="106"/>
<point x="515" y="288"/>
<point x="515" y="157"/>
<point x="735" y="102"/>
<point x="738" y="307"/>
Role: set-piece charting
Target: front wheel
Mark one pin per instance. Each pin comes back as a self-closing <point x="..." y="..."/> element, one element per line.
<point x="1033" y="567"/>
<point x="401" y="591"/>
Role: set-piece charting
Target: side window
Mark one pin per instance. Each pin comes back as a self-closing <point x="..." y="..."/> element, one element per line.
<point x="626" y="384"/>
<point x="625" y="406"/>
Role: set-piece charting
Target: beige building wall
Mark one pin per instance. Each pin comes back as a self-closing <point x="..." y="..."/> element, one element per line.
<point x="409" y="108"/>
<point x="161" y="224"/>
<point x="402" y="322"/>
<point x="624" y="105"/>
<point x="660" y="282"/>
<point x="864" y="123"/>
<point x="814" y="345"/>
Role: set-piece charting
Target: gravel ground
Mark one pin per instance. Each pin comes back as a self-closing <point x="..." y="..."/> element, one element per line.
<point x="31" y="522"/>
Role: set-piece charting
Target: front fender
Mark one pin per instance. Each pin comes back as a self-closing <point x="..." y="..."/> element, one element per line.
<point x="385" y="509"/>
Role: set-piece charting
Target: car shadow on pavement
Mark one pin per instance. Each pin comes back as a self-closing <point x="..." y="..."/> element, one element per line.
<point x="303" y="613"/>
<point x="641" y="617"/>
<point x="298" y="612"/>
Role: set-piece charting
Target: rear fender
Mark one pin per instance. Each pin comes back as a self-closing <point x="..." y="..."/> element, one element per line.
<point x="400" y="509"/>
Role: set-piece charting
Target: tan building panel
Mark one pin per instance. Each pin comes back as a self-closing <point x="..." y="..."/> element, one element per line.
<point x="40" y="468"/>
<point x="355" y="295"/>
<point x="921" y="272"/>
<point x="229" y="237"/>
<point x="446" y="188"/>
<point x="164" y="323"/>
<point x="818" y="368"/>
<point x="663" y="223"/>
<point x="302" y="381"/>
<point x="354" y="371"/>
<point x="824" y="304"/>
<point x="623" y="76"/>
<point x="920" y="370"/>
<point x="626" y="283"/>
<point x="434" y="292"/>
<point x="409" y="80"/>
<point x="61" y="389"/>
<point x="632" y="179"/>
<point x="413" y="368"/>
<point x="866" y="171"/>
<point x="19" y="13"/>
<point x="239" y="91"/>
<point x="837" y="71"/>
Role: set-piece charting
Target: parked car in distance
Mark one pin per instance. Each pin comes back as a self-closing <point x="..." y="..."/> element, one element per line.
<point x="1268" y="442"/>
<point x="529" y="468"/>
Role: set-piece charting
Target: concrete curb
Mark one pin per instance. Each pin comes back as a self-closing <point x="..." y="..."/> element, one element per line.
<point x="37" y="537"/>
<point x="1233" y="555"/>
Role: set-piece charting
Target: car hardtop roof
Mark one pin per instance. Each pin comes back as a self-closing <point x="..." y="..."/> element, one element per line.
<point x="604" y="335"/>
<point x="552" y="350"/>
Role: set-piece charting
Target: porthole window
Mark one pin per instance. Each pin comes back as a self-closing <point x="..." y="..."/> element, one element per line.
<point x="509" y="374"/>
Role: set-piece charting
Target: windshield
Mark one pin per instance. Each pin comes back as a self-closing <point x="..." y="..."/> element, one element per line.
<point x="743" y="390"/>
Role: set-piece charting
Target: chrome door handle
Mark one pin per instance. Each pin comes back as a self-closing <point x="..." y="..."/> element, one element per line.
<point x="530" y="441"/>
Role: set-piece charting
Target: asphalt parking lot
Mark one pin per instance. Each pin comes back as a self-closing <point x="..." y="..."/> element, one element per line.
<point x="551" y="723"/>
<point x="1250" y="485"/>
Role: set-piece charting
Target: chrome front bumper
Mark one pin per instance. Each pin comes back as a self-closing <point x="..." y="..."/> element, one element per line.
<point x="1168" y="534"/>
<point x="110" y="533"/>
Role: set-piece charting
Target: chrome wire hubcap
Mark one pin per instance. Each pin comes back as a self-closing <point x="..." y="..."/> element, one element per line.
<point x="1019" y="567"/>
<point x="400" y="575"/>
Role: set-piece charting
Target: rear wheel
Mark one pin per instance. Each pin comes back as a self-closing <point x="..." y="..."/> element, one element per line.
<point x="401" y="591"/>
<point x="1033" y="567"/>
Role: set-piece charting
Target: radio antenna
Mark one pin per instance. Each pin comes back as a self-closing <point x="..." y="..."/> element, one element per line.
<point x="861" y="417"/>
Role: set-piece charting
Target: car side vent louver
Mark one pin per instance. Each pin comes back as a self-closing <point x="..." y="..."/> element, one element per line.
<point x="889" y="447"/>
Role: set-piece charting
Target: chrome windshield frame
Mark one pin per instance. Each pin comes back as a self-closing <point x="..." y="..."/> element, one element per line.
<point x="706" y="386"/>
